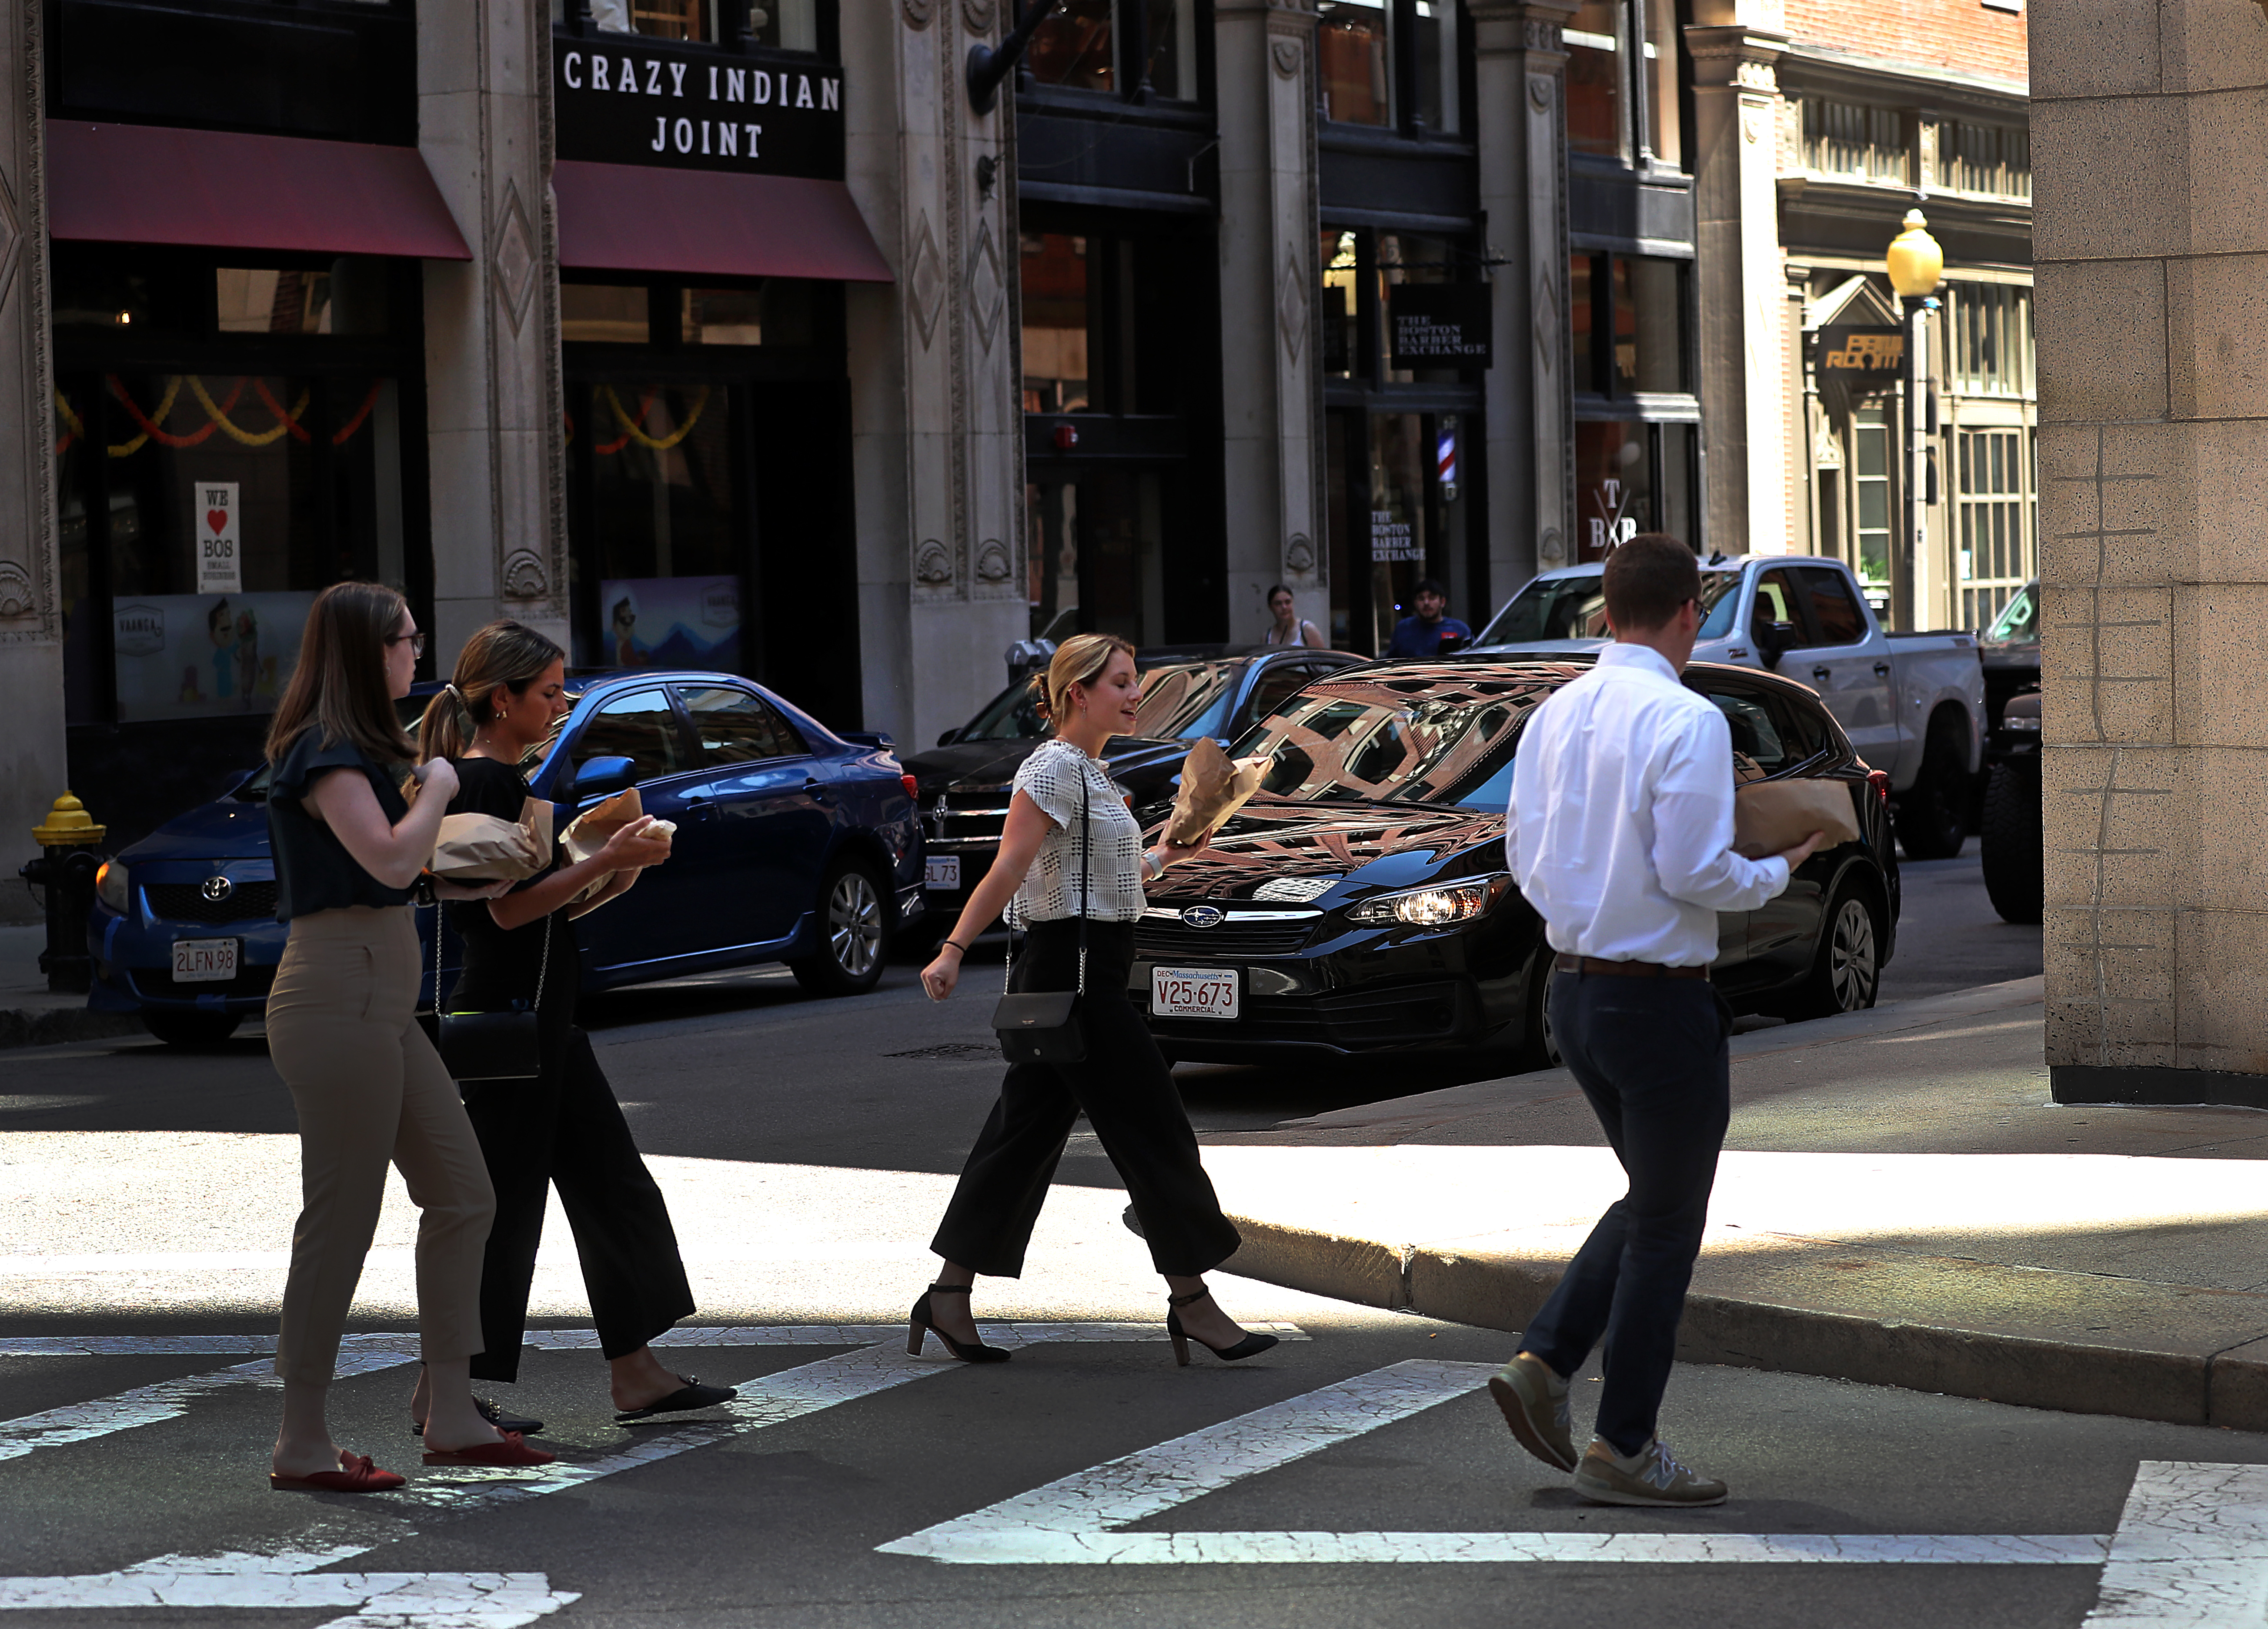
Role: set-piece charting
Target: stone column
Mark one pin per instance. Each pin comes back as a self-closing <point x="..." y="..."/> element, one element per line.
<point x="937" y="410"/>
<point x="494" y="399"/>
<point x="1271" y="268"/>
<point x="2150" y="144"/>
<point x="1737" y="265"/>
<point x="1520" y="124"/>
<point x="32" y="763"/>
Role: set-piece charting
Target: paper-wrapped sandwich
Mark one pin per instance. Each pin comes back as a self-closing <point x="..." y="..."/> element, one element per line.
<point x="1213" y="787"/>
<point x="587" y="833"/>
<point x="1769" y="816"/>
<point x="484" y="848"/>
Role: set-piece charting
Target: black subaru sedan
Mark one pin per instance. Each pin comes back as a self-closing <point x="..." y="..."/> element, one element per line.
<point x="1359" y="903"/>
<point x="963" y="781"/>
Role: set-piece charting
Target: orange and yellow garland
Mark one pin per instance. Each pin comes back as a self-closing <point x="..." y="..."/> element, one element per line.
<point x="216" y="417"/>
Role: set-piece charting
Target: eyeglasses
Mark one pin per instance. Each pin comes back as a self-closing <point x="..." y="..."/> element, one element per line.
<point x="417" y="641"/>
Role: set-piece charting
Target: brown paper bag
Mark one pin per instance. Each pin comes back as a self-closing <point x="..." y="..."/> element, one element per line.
<point x="485" y="848"/>
<point x="1213" y="787"/>
<point x="587" y="833"/>
<point x="1771" y="816"/>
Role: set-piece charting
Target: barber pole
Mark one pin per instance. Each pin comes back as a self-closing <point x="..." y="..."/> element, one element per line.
<point x="1445" y="460"/>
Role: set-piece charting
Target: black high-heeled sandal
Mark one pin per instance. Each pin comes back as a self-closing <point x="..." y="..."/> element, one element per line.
<point x="1251" y="1347"/>
<point x="976" y="1352"/>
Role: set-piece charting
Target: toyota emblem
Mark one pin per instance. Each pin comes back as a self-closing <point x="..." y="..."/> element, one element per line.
<point x="217" y="889"/>
<point x="1203" y="916"/>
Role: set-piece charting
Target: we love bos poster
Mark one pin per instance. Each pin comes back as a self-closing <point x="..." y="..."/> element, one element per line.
<point x="220" y="562"/>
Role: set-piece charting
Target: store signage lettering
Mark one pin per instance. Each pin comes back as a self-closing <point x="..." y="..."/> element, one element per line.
<point x="1391" y="539"/>
<point x="1862" y="350"/>
<point x="1610" y="527"/>
<point x="668" y="105"/>
<point x="1440" y="325"/>
<point x="220" y="562"/>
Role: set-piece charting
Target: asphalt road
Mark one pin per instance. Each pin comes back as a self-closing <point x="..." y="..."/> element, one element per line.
<point x="1351" y="1476"/>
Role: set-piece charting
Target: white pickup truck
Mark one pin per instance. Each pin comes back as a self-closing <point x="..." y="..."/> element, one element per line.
<point x="1912" y="704"/>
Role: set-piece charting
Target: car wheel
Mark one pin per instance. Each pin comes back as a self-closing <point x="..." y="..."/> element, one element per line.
<point x="2011" y="844"/>
<point x="1847" y="974"/>
<point x="191" y="1029"/>
<point x="853" y="934"/>
<point x="1539" y="1048"/>
<point x="1932" y="815"/>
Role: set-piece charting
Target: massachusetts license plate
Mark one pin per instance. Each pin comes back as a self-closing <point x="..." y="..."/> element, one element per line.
<point x="1193" y="991"/>
<point x="941" y="871"/>
<point x="204" y="960"/>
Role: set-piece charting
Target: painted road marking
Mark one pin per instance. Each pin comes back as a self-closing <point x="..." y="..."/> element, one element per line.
<point x="394" y="1600"/>
<point x="2190" y="1551"/>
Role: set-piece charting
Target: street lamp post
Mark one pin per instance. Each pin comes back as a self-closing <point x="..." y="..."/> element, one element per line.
<point x="1915" y="264"/>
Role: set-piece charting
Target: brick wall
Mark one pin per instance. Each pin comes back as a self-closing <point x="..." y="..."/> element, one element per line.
<point x="1964" y="36"/>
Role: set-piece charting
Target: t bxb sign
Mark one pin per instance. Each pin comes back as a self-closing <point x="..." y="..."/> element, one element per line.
<point x="220" y="557"/>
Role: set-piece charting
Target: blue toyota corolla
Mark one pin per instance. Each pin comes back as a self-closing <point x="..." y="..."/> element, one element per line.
<point x="795" y="844"/>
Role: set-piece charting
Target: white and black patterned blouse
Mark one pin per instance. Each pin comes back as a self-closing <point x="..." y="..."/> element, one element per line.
<point x="1051" y="777"/>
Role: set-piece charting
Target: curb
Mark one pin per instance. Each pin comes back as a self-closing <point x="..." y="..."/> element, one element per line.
<point x="56" y="1025"/>
<point x="2226" y="1387"/>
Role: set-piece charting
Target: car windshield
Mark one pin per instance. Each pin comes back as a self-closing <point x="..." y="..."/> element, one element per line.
<point x="1573" y="608"/>
<point x="2021" y="620"/>
<point x="1177" y="699"/>
<point x="1404" y="740"/>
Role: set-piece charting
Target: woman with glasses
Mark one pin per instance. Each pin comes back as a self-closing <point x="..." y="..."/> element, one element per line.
<point x="367" y="1086"/>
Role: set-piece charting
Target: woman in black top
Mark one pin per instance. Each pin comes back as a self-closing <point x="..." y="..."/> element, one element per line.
<point x="561" y="1127"/>
<point x="341" y="1029"/>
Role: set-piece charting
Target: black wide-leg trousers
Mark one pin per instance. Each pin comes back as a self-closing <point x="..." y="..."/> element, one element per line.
<point x="1650" y="1054"/>
<point x="565" y="1127"/>
<point x="1129" y="1099"/>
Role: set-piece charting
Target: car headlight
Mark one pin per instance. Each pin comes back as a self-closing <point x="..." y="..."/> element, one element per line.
<point x="2029" y="721"/>
<point x="110" y="887"/>
<point x="1443" y="905"/>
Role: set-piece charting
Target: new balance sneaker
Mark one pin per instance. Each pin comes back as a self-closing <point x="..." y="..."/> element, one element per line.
<point x="1534" y="1404"/>
<point x="1650" y="1477"/>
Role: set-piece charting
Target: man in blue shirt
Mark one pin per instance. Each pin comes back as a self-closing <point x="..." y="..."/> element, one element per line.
<point x="1421" y="635"/>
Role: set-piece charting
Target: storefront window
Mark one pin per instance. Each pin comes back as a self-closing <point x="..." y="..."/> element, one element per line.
<point x="784" y="24"/>
<point x="1649" y="330"/>
<point x="596" y="314"/>
<point x="1439" y="103"/>
<point x="223" y="503"/>
<point x="778" y="312"/>
<point x="1594" y="92"/>
<point x="1078" y="47"/>
<point x="1340" y="271"/>
<point x="1056" y="323"/>
<point x="1351" y="41"/>
<point x="1408" y="257"/>
<point x="659" y="534"/>
<point x="1631" y="477"/>
<point x="1097" y="555"/>
<point x="1994" y="559"/>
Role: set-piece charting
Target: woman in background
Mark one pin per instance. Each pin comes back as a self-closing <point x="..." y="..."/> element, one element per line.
<point x="562" y="1126"/>
<point x="1288" y="627"/>
<point x="344" y="1034"/>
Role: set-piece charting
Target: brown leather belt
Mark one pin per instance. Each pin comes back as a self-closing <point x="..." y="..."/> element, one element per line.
<point x="1565" y="963"/>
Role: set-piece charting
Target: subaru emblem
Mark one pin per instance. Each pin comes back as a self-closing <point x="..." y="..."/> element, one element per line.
<point x="216" y="889"/>
<point x="1203" y="916"/>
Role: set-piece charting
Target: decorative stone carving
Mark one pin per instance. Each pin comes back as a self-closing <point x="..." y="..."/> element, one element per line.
<point x="17" y="600"/>
<point x="12" y="239"/>
<point x="1286" y="55"/>
<point x="992" y="562"/>
<point x="1548" y="330"/>
<point x="1299" y="555"/>
<point x="918" y="13"/>
<point x="979" y="15"/>
<point x="1553" y="549"/>
<point x="515" y="258"/>
<point x="925" y="280"/>
<point x="1539" y="92"/>
<point x="524" y="576"/>
<point x="1291" y="304"/>
<point x="1538" y="35"/>
<point x="932" y="563"/>
<point x="988" y="290"/>
<point x="1752" y="125"/>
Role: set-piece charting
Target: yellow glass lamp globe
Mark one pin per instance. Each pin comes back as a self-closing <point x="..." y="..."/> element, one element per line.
<point x="1914" y="261"/>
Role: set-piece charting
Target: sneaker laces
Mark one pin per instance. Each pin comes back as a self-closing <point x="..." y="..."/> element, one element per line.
<point x="1665" y="1468"/>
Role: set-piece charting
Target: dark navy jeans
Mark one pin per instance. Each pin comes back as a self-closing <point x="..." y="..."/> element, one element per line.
<point x="1650" y="1054"/>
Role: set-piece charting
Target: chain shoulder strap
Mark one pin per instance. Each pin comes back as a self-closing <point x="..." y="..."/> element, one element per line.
<point x="440" y="925"/>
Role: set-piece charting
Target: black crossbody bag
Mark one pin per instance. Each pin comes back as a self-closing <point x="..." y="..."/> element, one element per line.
<point x="1042" y="1026"/>
<point x="489" y="1046"/>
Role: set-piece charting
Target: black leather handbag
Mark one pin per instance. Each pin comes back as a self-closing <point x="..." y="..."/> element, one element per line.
<point x="490" y="1046"/>
<point x="1042" y="1026"/>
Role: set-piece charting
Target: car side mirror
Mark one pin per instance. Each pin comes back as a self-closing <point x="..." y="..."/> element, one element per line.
<point x="1774" y="640"/>
<point x="948" y="738"/>
<point x="602" y="778"/>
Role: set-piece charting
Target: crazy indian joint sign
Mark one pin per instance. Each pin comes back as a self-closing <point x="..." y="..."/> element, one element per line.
<point x="630" y="99"/>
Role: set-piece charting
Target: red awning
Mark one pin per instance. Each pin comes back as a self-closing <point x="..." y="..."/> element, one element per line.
<point x="147" y="183"/>
<point x="712" y="223"/>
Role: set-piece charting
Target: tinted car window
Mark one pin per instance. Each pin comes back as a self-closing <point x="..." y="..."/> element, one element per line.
<point x="1393" y="740"/>
<point x="1175" y="699"/>
<point x="1573" y="608"/>
<point x="640" y="726"/>
<point x="1278" y="684"/>
<point x="1833" y="611"/>
<point x="1778" y="600"/>
<point x="1776" y="730"/>
<point x="2022" y="618"/>
<point x="733" y="726"/>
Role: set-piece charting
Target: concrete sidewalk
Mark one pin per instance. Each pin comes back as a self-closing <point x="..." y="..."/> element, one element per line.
<point x="32" y="1015"/>
<point x="1900" y="1203"/>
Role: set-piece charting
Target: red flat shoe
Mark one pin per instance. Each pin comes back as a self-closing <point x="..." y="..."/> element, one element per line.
<point x="512" y="1450"/>
<point x="355" y="1474"/>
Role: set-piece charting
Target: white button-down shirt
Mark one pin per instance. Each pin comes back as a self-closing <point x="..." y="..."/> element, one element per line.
<point x="1621" y="827"/>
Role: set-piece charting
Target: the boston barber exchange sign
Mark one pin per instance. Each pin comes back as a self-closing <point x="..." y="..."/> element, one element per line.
<point x="627" y="99"/>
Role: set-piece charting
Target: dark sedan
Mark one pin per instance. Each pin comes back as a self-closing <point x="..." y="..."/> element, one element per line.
<point x="1188" y="692"/>
<point x="1360" y="904"/>
<point x="794" y="844"/>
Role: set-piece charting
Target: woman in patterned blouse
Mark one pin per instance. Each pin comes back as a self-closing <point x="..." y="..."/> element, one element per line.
<point x="1088" y="693"/>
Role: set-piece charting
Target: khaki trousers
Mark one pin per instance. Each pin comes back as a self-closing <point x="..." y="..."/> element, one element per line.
<point x="368" y="1085"/>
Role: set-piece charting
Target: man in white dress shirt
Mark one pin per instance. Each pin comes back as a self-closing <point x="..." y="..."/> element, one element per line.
<point x="1621" y="837"/>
